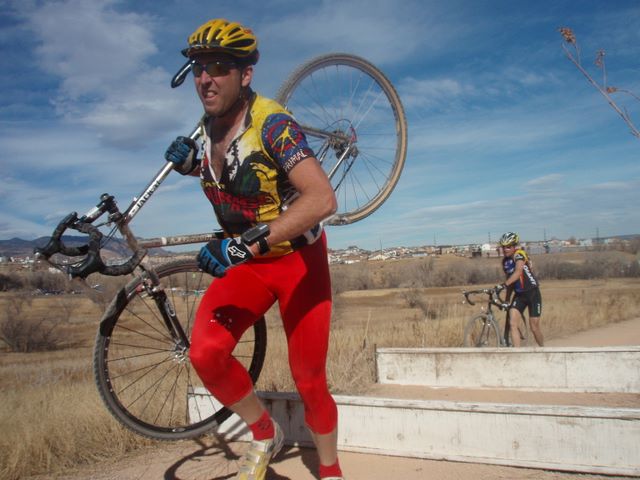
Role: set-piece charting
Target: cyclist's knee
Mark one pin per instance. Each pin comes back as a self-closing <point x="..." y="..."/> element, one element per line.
<point x="209" y="355"/>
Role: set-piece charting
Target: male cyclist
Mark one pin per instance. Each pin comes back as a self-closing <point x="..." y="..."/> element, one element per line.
<point x="257" y="169"/>
<point x="521" y="282"/>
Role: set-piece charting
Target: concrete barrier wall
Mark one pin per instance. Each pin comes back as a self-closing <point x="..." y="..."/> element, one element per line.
<point x="582" y="439"/>
<point x="613" y="369"/>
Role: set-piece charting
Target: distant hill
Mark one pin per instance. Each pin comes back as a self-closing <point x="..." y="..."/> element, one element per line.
<point x="17" y="247"/>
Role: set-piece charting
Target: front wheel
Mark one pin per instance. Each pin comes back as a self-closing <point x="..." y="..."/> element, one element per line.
<point x="141" y="357"/>
<point x="481" y="331"/>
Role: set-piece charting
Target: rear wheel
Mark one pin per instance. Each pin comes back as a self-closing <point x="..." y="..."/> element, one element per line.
<point x="141" y="363"/>
<point x="480" y="331"/>
<point x="355" y="124"/>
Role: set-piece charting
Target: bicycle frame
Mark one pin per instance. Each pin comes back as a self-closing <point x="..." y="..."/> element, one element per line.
<point x="342" y="144"/>
<point x="335" y="140"/>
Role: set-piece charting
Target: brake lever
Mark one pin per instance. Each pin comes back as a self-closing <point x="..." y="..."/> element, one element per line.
<point x="466" y="296"/>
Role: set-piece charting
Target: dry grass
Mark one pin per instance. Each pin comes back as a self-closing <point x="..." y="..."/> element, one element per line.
<point x="53" y="420"/>
<point x="435" y="317"/>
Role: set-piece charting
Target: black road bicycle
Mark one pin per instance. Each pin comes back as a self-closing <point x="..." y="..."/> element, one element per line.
<point x="355" y="123"/>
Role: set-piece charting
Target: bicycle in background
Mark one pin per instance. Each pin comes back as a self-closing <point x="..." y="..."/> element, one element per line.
<point x="483" y="330"/>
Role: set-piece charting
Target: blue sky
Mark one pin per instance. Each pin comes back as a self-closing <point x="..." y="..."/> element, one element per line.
<point x="504" y="132"/>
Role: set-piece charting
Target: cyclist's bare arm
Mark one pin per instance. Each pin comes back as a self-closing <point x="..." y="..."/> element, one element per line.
<point x="316" y="201"/>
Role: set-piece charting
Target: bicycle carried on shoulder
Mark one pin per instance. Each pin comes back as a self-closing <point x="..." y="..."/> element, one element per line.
<point x="356" y="125"/>
<point x="483" y="330"/>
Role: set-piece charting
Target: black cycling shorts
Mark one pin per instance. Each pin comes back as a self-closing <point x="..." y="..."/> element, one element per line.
<point x="531" y="299"/>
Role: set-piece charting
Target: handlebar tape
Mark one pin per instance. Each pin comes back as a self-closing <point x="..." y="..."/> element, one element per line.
<point x="55" y="244"/>
<point x="92" y="262"/>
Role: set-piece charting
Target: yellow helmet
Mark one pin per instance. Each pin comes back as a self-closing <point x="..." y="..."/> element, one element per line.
<point x="220" y="35"/>
<point x="509" y="239"/>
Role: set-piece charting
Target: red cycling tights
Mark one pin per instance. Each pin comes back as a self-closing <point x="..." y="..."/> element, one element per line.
<point x="300" y="282"/>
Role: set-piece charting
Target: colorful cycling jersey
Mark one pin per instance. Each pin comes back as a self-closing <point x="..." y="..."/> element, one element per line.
<point x="527" y="280"/>
<point x="254" y="186"/>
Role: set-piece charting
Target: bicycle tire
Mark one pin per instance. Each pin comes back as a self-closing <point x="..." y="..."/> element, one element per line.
<point x="340" y="92"/>
<point x="481" y="331"/>
<point x="144" y="377"/>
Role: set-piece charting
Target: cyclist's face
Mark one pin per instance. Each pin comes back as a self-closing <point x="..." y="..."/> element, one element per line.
<point x="220" y="90"/>
<point x="508" y="251"/>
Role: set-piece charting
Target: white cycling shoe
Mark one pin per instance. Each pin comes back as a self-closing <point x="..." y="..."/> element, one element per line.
<point x="253" y="465"/>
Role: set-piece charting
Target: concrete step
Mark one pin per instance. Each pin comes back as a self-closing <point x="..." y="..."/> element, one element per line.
<point x="588" y="439"/>
<point x="573" y="409"/>
<point x="506" y="396"/>
<point x="562" y="369"/>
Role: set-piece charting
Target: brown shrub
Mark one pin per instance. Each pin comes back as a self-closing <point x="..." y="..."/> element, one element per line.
<point x="22" y="332"/>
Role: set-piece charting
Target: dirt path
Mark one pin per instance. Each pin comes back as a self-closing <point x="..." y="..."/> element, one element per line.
<point x="189" y="461"/>
<point x="615" y="334"/>
<point x="217" y="460"/>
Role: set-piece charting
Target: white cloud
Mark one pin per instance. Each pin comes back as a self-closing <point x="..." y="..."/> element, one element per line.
<point x="545" y="182"/>
<point x="90" y="45"/>
<point x="432" y="93"/>
<point x="384" y="31"/>
<point x="101" y="56"/>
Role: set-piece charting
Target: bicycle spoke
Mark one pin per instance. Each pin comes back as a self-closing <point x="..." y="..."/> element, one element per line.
<point x="156" y="351"/>
<point x="147" y="371"/>
<point x="165" y="337"/>
<point x="481" y="331"/>
<point x="155" y="315"/>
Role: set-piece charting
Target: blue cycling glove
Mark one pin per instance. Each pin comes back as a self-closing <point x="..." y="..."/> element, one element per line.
<point x="182" y="153"/>
<point x="219" y="255"/>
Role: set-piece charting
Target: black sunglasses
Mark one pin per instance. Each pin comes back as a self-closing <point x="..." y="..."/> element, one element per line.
<point x="213" y="69"/>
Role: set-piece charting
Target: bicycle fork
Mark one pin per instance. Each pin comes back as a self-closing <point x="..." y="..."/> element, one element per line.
<point x="169" y="316"/>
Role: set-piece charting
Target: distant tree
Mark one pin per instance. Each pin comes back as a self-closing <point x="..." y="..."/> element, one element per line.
<point x="572" y="50"/>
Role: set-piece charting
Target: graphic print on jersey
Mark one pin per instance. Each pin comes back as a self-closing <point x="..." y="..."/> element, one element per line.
<point x="245" y="199"/>
<point x="527" y="280"/>
<point x="254" y="185"/>
<point x="284" y="141"/>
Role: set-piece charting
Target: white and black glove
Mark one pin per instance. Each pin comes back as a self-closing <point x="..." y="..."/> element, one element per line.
<point x="217" y="256"/>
